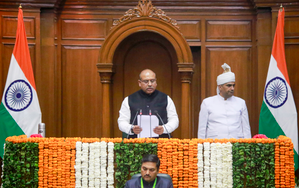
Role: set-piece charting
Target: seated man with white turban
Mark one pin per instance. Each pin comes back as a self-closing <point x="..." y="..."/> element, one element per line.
<point x="224" y="115"/>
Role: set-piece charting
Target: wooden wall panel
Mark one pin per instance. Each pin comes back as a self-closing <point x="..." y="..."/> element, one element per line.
<point x="264" y="47"/>
<point x="82" y="29"/>
<point x="81" y="92"/>
<point x="46" y="76"/>
<point x="196" y="88"/>
<point x="291" y="27"/>
<point x="10" y="23"/>
<point x="228" y="30"/>
<point x="190" y="29"/>
<point x="238" y="58"/>
<point x="240" y="61"/>
<point x="292" y="61"/>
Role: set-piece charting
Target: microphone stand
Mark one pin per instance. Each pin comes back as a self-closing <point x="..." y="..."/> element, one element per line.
<point x="132" y="123"/>
<point x="162" y="123"/>
<point x="140" y="117"/>
<point x="150" y="114"/>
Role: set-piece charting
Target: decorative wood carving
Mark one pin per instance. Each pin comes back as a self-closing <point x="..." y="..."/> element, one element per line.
<point x="145" y="8"/>
<point x="186" y="70"/>
<point x="105" y="70"/>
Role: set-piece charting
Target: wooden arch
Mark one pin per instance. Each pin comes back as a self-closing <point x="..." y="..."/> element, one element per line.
<point x="145" y="17"/>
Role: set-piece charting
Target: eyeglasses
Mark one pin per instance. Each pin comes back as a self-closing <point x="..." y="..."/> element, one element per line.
<point x="147" y="81"/>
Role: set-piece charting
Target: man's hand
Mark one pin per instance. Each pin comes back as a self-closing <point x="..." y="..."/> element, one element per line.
<point x="137" y="129"/>
<point x="159" y="130"/>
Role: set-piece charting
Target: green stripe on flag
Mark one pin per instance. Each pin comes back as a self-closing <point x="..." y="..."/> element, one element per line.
<point x="296" y="160"/>
<point x="269" y="127"/>
<point x="8" y="127"/>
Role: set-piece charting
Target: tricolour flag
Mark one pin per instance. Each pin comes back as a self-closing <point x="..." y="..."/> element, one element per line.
<point x="19" y="110"/>
<point x="278" y="113"/>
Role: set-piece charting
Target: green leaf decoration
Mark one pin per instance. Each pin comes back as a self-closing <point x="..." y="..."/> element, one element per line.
<point x="253" y="165"/>
<point x="20" y="165"/>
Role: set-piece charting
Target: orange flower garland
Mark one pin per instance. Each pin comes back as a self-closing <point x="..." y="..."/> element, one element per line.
<point x="163" y="159"/>
<point x="193" y="174"/>
<point x="284" y="162"/>
<point x="175" y="162"/>
<point x="41" y="155"/>
<point x="169" y="155"/>
<point x="178" y="158"/>
<point x="66" y="157"/>
<point x="186" y="163"/>
<point x="181" y="163"/>
<point x="46" y="163"/>
<point x="277" y="163"/>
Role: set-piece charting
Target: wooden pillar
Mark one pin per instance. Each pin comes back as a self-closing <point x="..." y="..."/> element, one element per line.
<point x="105" y="70"/>
<point x="186" y="71"/>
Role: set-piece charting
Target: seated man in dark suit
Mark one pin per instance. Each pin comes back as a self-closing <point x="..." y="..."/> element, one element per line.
<point x="149" y="169"/>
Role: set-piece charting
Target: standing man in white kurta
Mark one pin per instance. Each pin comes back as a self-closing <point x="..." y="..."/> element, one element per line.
<point x="224" y="115"/>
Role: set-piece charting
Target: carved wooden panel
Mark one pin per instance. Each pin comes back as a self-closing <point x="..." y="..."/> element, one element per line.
<point x="228" y="30"/>
<point x="196" y="88"/>
<point x="81" y="92"/>
<point x="291" y="27"/>
<point x="10" y="23"/>
<point x="190" y="29"/>
<point x="238" y="58"/>
<point x="76" y="29"/>
<point x="292" y="59"/>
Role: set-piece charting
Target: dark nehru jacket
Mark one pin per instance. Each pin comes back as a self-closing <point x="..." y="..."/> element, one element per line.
<point x="156" y="102"/>
<point x="161" y="183"/>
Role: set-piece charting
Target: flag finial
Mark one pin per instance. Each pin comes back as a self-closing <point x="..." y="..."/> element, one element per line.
<point x="281" y="7"/>
<point x="20" y="6"/>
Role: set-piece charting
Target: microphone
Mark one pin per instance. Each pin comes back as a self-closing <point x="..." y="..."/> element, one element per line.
<point x="156" y="112"/>
<point x="140" y="114"/>
<point x="150" y="114"/>
<point x="133" y="122"/>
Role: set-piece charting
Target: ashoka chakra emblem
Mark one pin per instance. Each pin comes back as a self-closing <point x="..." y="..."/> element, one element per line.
<point x="18" y="95"/>
<point x="276" y="92"/>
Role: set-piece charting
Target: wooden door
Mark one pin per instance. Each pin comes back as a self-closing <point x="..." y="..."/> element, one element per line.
<point x="144" y="50"/>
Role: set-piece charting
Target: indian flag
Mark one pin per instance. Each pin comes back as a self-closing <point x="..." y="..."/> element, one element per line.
<point x="278" y="113"/>
<point x="19" y="110"/>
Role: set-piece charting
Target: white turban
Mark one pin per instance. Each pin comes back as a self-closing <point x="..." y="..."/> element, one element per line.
<point x="226" y="76"/>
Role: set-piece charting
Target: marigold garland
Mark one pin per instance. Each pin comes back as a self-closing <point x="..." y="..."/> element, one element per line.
<point x="179" y="158"/>
<point x="284" y="162"/>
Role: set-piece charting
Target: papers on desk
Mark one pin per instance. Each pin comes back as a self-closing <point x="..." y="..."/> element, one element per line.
<point x="147" y="123"/>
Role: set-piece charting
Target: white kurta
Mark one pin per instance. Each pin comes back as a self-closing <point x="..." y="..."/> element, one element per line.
<point x="125" y="116"/>
<point x="219" y="118"/>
